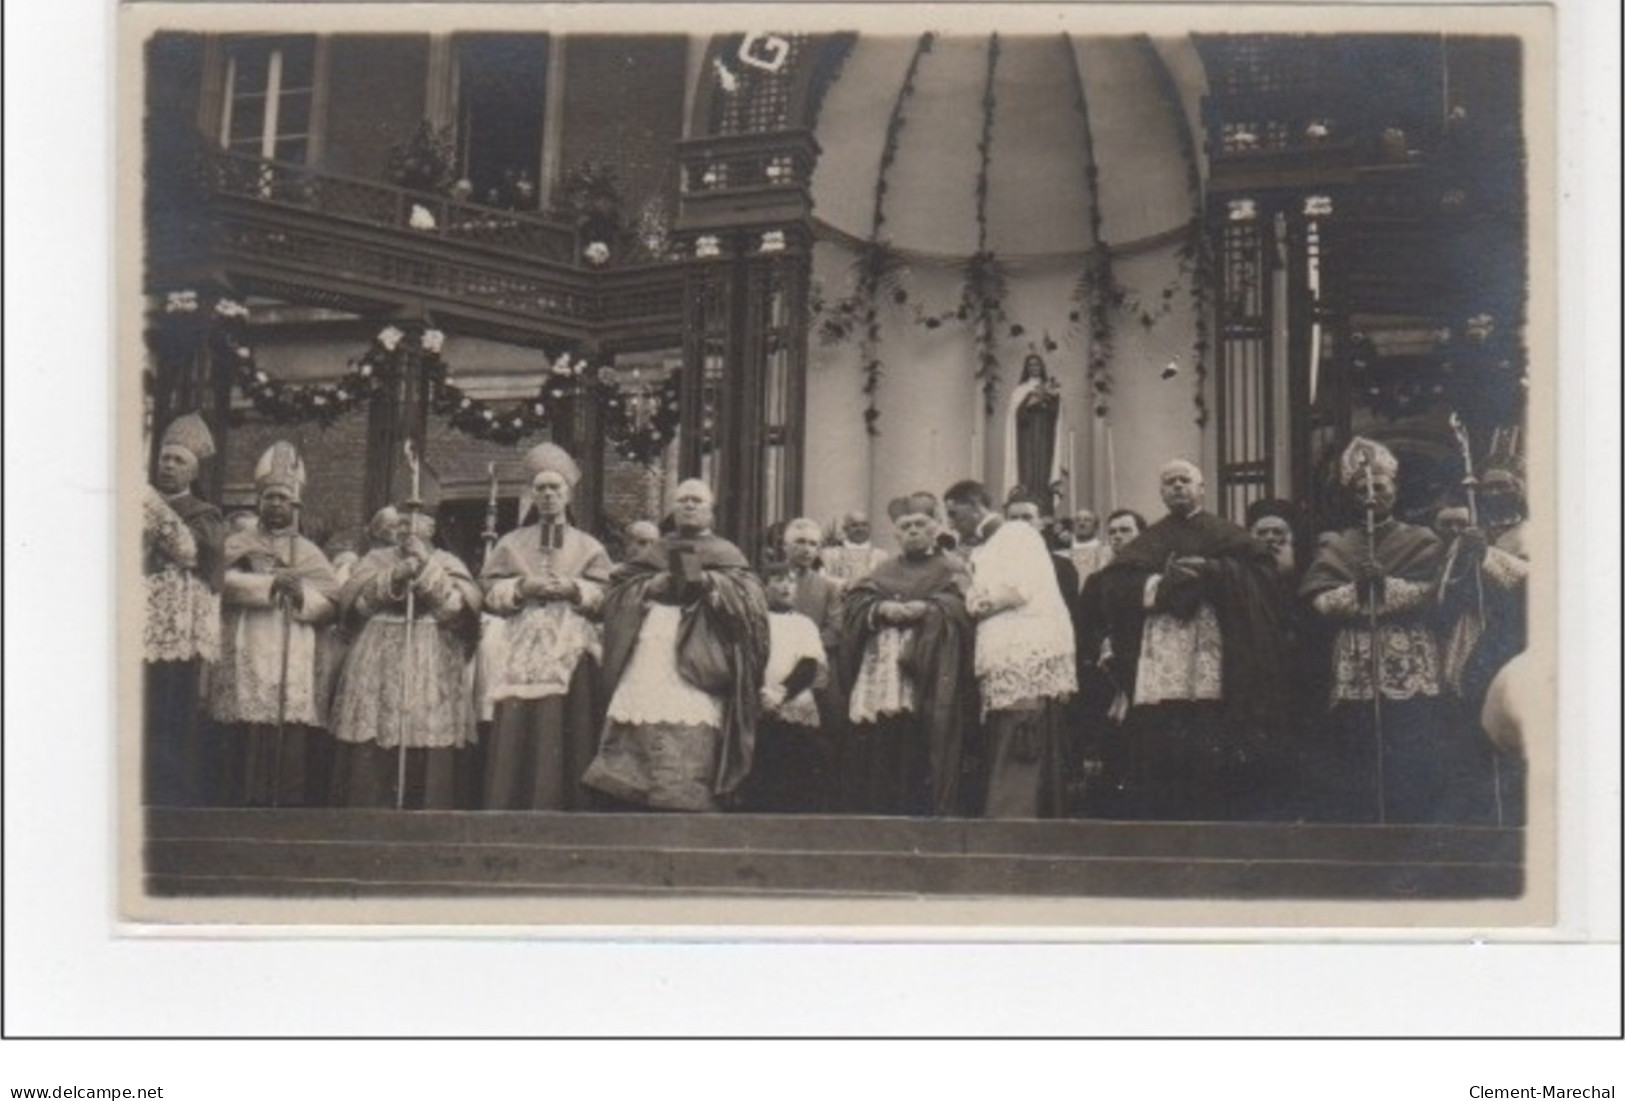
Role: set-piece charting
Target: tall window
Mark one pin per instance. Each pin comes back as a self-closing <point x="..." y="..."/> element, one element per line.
<point x="501" y="105"/>
<point x="1245" y="382"/>
<point x="778" y="500"/>
<point x="270" y="83"/>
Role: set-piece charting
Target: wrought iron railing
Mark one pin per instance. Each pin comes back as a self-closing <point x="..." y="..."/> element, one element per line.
<point x="381" y="204"/>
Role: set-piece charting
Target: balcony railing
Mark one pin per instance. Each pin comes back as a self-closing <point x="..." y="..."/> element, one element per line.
<point x="352" y="245"/>
<point x="380" y="204"/>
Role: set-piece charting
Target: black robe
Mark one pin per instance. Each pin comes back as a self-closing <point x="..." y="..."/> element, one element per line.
<point x="1242" y="584"/>
<point x="937" y="661"/>
<point x="735" y="617"/>
<point x="1204" y="759"/>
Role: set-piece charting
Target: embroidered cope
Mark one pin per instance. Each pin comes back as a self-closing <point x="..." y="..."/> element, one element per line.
<point x="246" y="686"/>
<point x="407" y="685"/>
<point x="543" y="640"/>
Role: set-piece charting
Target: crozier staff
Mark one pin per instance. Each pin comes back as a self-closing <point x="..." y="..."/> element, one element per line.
<point x="277" y="589"/>
<point x="402" y="695"/>
<point x="1415" y="766"/>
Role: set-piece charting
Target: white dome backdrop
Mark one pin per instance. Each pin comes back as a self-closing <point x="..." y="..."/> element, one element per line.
<point x="1038" y="225"/>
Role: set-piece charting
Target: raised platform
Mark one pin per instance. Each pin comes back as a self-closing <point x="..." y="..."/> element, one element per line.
<point x="354" y="853"/>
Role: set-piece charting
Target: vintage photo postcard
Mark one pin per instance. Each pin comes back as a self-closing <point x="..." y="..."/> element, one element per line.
<point x="919" y="468"/>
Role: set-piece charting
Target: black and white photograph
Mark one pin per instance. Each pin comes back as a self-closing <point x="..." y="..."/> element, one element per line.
<point x="888" y="467"/>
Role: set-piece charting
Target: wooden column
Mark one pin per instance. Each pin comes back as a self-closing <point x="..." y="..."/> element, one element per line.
<point x="401" y="413"/>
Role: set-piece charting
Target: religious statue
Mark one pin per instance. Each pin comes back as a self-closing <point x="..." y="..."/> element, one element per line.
<point x="1035" y="435"/>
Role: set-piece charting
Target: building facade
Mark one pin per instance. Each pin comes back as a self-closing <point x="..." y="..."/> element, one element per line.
<point x="813" y="269"/>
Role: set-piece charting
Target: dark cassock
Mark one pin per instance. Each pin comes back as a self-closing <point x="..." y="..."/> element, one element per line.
<point x="545" y="581"/>
<point x="404" y="680"/>
<point x="685" y="650"/>
<point x="182" y="540"/>
<point x="906" y="642"/>
<point x="818" y="597"/>
<point x="1097" y="777"/>
<point x="1197" y="642"/>
<point x="271" y="747"/>
<point x="1392" y="755"/>
<point x="790" y="773"/>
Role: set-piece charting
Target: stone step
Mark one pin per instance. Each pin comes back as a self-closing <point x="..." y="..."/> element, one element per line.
<point x="543" y="867"/>
<point x="1239" y="840"/>
<point x="352" y="853"/>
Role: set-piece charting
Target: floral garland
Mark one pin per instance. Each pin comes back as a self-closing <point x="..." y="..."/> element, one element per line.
<point x="499" y="424"/>
<point x="641" y="424"/>
<point x="1195" y="256"/>
<point x="982" y="300"/>
<point x="878" y="266"/>
<point x="642" y="421"/>
<point x="276" y="401"/>
<point x="1097" y="290"/>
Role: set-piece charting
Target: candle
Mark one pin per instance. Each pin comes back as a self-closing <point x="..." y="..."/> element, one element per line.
<point x="1072" y="473"/>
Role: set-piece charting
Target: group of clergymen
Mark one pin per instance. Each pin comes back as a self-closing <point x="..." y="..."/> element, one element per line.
<point x="1186" y="669"/>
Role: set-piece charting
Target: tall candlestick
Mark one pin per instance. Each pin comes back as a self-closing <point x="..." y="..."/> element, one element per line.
<point x="1072" y="473"/>
<point x="1111" y="465"/>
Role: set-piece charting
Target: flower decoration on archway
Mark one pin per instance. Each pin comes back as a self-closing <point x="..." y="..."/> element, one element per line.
<point x="638" y="415"/>
<point x="640" y="422"/>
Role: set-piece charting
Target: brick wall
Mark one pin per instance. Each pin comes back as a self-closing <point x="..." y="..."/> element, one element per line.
<point x="632" y="491"/>
<point x="623" y="105"/>
<point x="376" y="98"/>
<point x="335" y="462"/>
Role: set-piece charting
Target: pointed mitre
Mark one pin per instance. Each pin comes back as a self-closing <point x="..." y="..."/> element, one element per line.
<point x="1362" y="454"/>
<point x="281" y="467"/>
<point x="546" y="457"/>
<point x="190" y="433"/>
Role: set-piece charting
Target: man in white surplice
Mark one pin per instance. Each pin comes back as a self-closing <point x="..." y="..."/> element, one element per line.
<point x="1025" y="655"/>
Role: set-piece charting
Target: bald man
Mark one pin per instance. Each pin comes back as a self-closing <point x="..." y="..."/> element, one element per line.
<point x="855" y="557"/>
<point x="1088" y="553"/>
<point x="686" y="636"/>
<point x="1198" y="645"/>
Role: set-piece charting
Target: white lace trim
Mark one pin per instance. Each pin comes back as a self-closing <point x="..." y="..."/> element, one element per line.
<point x="880" y="688"/>
<point x="651" y="690"/>
<point x="183" y="618"/>
<point x="1035" y="674"/>
<point x="800" y="711"/>
<point x="1181" y="659"/>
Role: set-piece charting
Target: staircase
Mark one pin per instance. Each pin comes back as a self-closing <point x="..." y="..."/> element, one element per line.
<point x="356" y="853"/>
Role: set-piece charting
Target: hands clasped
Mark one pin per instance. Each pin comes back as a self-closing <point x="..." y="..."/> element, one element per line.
<point x="286" y="588"/>
<point x="901" y="613"/>
<point x="547" y="586"/>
